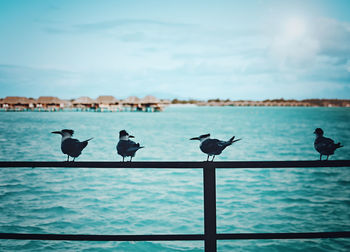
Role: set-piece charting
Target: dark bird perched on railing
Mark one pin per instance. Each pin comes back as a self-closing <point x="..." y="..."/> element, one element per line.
<point x="213" y="147"/>
<point x="126" y="147"/>
<point x="324" y="145"/>
<point x="70" y="146"/>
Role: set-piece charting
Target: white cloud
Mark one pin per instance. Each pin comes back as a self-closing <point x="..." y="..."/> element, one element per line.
<point x="293" y="45"/>
<point x="300" y="43"/>
<point x="333" y="36"/>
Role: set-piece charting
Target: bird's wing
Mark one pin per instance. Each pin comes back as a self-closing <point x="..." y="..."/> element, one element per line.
<point x="322" y="142"/>
<point x="82" y="145"/>
<point x="325" y="145"/>
<point x="122" y="147"/>
<point x="68" y="145"/>
<point x="72" y="146"/>
<point x="327" y="140"/>
<point x="134" y="149"/>
<point x="210" y="145"/>
<point x="132" y="146"/>
<point x="223" y="143"/>
<point x="71" y="141"/>
<point x="127" y="148"/>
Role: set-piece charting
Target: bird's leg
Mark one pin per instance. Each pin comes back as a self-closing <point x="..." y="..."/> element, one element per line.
<point x="123" y="159"/>
<point x="73" y="159"/>
<point x="208" y="158"/>
<point x="67" y="158"/>
<point x="320" y="157"/>
<point x="130" y="159"/>
<point x="213" y="158"/>
<point x="327" y="157"/>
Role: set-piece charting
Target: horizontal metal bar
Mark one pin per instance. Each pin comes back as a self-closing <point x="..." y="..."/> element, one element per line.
<point x="257" y="236"/>
<point x="102" y="164"/>
<point x="174" y="237"/>
<point x="80" y="237"/>
<point x="177" y="164"/>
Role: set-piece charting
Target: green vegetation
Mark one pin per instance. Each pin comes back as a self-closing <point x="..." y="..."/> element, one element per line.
<point x="268" y="102"/>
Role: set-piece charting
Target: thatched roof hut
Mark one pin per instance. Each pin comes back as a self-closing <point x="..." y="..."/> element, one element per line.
<point x="132" y="100"/>
<point x="84" y="100"/>
<point x="149" y="99"/>
<point x="106" y="99"/>
<point x="17" y="100"/>
<point x="49" y="100"/>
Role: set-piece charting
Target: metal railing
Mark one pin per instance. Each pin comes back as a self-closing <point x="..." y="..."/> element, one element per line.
<point x="210" y="236"/>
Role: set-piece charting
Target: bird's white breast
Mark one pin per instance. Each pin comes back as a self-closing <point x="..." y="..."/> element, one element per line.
<point x="65" y="137"/>
<point x="125" y="138"/>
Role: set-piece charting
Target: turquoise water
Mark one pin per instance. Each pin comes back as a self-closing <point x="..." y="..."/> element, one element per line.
<point x="147" y="201"/>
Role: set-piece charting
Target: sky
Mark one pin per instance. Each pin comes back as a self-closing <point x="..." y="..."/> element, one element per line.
<point x="262" y="49"/>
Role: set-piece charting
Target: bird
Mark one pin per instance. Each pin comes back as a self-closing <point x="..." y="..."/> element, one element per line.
<point x="70" y="146"/>
<point x="213" y="147"/>
<point x="324" y="145"/>
<point x="126" y="147"/>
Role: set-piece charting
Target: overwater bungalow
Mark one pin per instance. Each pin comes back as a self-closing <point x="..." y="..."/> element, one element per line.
<point x="108" y="103"/>
<point x="102" y="103"/>
<point x="49" y="103"/>
<point x="151" y="104"/>
<point x="84" y="103"/>
<point x="17" y="103"/>
<point x="132" y="103"/>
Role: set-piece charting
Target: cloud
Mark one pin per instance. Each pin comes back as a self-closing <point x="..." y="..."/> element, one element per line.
<point x="333" y="36"/>
<point x="112" y="25"/>
<point x="299" y="43"/>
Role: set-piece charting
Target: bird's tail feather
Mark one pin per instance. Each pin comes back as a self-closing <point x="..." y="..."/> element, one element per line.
<point x="338" y="145"/>
<point x="139" y="147"/>
<point x="135" y="148"/>
<point x="236" y="140"/>
<point x="85" y="143"/>
<point x="231" y="141"/>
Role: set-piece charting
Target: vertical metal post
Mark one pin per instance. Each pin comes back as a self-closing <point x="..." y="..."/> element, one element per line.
<point x="209" y="207"/>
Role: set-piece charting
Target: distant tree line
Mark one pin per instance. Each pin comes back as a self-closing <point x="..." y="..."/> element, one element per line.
<point x="306" y="102"/>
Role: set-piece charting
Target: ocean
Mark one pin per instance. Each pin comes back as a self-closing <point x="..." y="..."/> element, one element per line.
<point x="169" y="201"/>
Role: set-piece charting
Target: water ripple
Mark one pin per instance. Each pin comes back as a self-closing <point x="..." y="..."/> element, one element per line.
<point x="146" y="201"/>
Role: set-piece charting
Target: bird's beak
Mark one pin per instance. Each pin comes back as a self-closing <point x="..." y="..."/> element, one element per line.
<point x="57" y="132"/>
<point x="194" y="138"/>
<point x="131" y="136"/>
